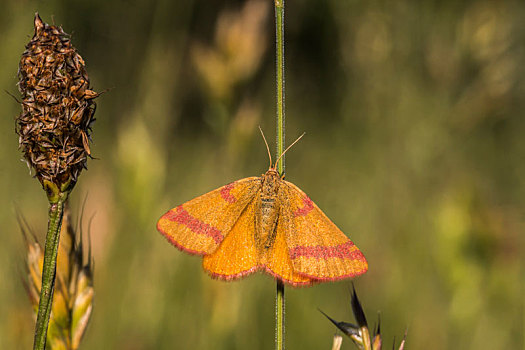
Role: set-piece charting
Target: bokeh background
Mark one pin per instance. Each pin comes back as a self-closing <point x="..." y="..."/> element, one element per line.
<point x="415" y="148"/>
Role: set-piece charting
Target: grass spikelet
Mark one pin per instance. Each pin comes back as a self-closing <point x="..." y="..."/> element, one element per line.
<point x="360" y="334"/>
<point x="73" y="297"/>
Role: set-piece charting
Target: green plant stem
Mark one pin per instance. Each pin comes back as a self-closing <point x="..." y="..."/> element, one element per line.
<point x="56" y="210"/>
<point x="279" y="47"/>
<point x="279" y="316"/>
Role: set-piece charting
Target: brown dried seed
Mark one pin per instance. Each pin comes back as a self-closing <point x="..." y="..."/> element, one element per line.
<point x="57" y="107"/>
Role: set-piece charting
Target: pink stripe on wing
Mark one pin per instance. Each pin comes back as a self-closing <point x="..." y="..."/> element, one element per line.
<point x="181" y="216"/>
<point x="308" y="205"/>
<point x="342" y="251"/>
<point x="226" y="195"/>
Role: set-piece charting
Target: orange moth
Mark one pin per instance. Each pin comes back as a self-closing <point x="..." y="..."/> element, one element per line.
<point x="263" y="223"/>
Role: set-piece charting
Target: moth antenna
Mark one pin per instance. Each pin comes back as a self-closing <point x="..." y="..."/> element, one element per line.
<point x="267" y="148"/>
<point x="287" y="148"/>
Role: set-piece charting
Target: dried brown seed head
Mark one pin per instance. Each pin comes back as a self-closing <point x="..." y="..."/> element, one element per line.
<point x="58" y="105"/>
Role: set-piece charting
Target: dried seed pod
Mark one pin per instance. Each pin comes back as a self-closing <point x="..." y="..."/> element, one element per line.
<point x="58" y="105"/>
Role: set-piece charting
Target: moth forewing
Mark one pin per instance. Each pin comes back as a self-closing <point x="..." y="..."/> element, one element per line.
<point x="317" y="247"/>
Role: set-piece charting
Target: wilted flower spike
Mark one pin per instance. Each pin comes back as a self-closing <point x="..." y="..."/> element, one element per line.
<point x="73" y="296"/>
<point x="347" y="328"/>
<point x="359" y="314"/>
<point x="57" y="108"/>
<point x="360" y="334"/>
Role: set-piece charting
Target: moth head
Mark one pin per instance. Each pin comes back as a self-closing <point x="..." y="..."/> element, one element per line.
<point x="271" y="173"/>
<point x="270" y="181"/>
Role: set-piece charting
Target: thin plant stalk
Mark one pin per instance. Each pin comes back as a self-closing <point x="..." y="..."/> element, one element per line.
<point x="279" y="47"/>
<point x="56" y="211"/>
<point x="279" y="316"/>
<point x="54" y="131"/>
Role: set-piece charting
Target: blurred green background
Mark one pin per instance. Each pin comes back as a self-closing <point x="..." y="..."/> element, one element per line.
<point x="415" y="148"/>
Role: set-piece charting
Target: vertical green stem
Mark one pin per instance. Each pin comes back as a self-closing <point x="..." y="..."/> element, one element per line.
<point x="279" y="316"/>
<point x="279" y="47"/>
<point x="56" y="210"/>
